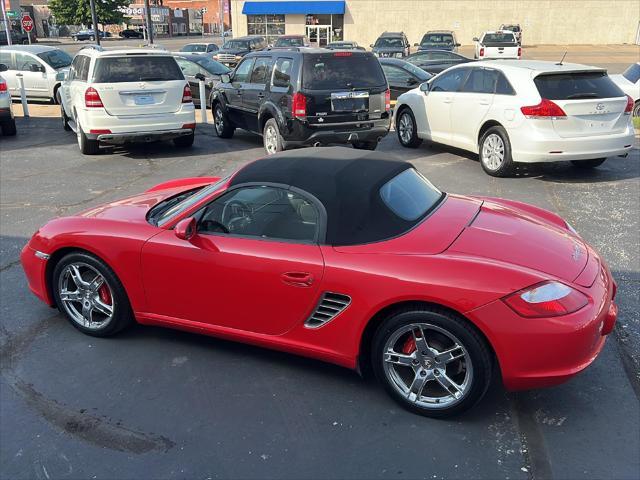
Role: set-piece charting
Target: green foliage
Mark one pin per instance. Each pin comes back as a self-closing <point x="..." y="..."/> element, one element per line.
<point x="78" y="12"/>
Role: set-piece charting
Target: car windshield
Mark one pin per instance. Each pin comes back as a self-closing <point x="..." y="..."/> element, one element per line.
<point x="341" y="45"/>
<point x="56" y="58"/>
<point x="576" y="86"/>
<point x="505" y="39"/>
<point x="194" y="47"/>
<point x="341" y="70"/>
<point x="212" y="66"/>
<point x="389" y="42"/>
<point x="632" y="73"/>
<point x="236" y="45"/>
<point x="437" y="39"/>
<point x="410" y="195"/>
<point x="136" y="68"/>
<point x="289" y="42"/>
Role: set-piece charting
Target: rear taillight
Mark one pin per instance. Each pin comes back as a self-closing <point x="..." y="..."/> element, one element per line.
<point x="387" y="100"/>
<point x="342" y="54"/>
<point x="186" y="94"/>
<point x="548" y="299"/>
<point x="3" y="86"/>
<point x="191" y="126"/>
<point x="299" y="105"/>
<point x="627" y="110"/>
<point x="519" y="52"/>
<point x="92" y="98"/>
<point x="482" y="51"/>
<point x="545" y="109"/>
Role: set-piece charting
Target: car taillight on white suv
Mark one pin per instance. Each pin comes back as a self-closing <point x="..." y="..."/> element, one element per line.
<point x="629" y="108"/>
<point x="92" y="98"/>
<point x="546" y="109"/>
<point x="3" y="85"/>
<point x="186" y="94"/>
<point x="481" y="52"/>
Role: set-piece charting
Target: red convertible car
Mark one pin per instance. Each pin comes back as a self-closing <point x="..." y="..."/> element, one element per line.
<point x="347" y="257"/>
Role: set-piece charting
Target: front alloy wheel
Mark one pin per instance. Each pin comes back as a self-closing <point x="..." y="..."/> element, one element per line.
<point x="221" y="123"/>
<point x="406" y="128"/>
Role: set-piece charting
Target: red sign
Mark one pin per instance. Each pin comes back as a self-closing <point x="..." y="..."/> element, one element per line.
<point x="27" y="22"/>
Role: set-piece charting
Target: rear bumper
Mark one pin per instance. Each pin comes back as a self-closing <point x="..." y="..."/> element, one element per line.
<point x="140" y="137"/>
<point x="542" y="352"/>
<point x="302" y="134"/>
<point x="531" y="145"/>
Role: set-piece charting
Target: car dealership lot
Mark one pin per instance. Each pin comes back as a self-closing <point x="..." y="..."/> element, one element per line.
<point x="164" y="404"/>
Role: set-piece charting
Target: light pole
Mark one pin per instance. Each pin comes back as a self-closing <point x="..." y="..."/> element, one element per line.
<point x="94" y="20"/>
<point x="7" y="28"/>
<point x="148" y="21"/>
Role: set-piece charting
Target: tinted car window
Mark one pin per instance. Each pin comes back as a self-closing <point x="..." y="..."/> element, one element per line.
<point x="444" y="56"/>
<point x="437" y="39"/>
<point x="212" y="66"/>
<point x="56" y="58"/>
<point x="242" y="71"/>
<point x="83" y="73"/>
<point x="25" y="62"/>
<point x="282" y="72"/>
<point x="396" y="75"/>
<point x="194" y="48"/>
<point x="236" y="45"/>
<point x="187" y="67"/>
<point x="6" y="59"/>
<point x="341" y="70"/>
<point x="503" y="87"/>
<point x="480" y="80"/>
<point x="499" y="39"/>
<point x="136" y="69"/>
<point x="389" y="42"/>
<point x="409" y="195"/>
<point x="289" y="42"/>
<point x="262" y="70"/>
<point x="573" y="86"/>
<point x="449" y="81"/>
<point x="265" y="212"/>
<point x="632" y="73"/>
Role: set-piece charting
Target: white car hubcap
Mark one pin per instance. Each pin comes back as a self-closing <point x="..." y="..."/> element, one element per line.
<point x="405" y="128"/>
<point x="493" y="152"/>
<point x="271" y="140"/>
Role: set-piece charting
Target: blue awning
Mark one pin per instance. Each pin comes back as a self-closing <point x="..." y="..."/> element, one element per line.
<point x="301" y="7"/>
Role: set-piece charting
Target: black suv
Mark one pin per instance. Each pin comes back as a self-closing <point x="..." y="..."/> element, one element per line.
<point x="305" y="96"/>
<point x="391" y="44"/>
<point x="233" y="50"/>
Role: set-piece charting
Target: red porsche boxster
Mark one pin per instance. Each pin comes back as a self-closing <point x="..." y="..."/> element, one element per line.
<point x="347" y="257"/>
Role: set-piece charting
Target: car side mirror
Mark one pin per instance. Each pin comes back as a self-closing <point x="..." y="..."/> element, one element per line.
<point x="61" y="76"/>
<point x="225" y="78"/>
<point x="3" y="67"/>
<point x="185" y="229"/>
<point x="425" y="87"/>
<point x="476" y="39"/>
<point x="199" y="77"/>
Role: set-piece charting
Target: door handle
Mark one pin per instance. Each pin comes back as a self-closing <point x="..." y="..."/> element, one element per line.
<point x="484" y="101"/>
<point x="261" y="95"/>
<point x="297" y="279"/>
<point x="448" y="100"/>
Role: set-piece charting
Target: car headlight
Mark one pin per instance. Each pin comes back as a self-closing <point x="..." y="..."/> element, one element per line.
<point x="238" y="57"/>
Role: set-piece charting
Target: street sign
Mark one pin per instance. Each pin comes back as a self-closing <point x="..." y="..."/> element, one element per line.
<point x="27" y="22"/>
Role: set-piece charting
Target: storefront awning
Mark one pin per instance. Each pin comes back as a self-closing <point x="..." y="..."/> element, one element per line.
<point x="301" y="7"/>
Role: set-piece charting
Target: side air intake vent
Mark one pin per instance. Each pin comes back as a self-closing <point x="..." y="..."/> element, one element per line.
<point x="330" y="306"/>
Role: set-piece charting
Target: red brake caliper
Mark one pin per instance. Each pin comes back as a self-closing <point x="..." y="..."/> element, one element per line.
<point x="409" y="346"/>
<point x="105" y="294"/>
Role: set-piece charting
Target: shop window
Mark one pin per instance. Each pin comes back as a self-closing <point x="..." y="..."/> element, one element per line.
<point x="269" y="26"/>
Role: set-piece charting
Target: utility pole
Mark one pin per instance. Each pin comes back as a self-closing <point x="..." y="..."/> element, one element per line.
<point x="7" y="26"/>
<point x="148" y="21"/>
<point x="94" y="20"/>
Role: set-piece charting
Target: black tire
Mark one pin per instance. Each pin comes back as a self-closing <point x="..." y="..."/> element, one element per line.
<point x="185" y="141"/>
<point x="57" y="97"/>
<point x="271" y="138"/>
<point x="636" y="109"/>
<point x="65" y="119"/>
<point x="365" y="145"/>
<point x="122" y="315"/>
<point x="87" y="146"/>
<point x="476" y="354"/>
<point x="406" y="118"/>
<point x="500" y="168"/>
<point x="8" y="128"/>
<point x="222" y="125"/>
<point x="596" y="162"/>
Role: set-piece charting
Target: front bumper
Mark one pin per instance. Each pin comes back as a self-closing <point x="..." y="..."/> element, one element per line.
<point x="34" y="264"/>
<point x="542" y="352"/>
<point x="301" y="134"/>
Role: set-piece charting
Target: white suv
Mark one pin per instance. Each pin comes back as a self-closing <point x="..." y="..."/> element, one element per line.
<point x="527" y="111"/>
<point x="132" y="95"/>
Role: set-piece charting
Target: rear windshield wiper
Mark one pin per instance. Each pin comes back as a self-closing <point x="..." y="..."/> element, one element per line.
<point x="582" y="95"/>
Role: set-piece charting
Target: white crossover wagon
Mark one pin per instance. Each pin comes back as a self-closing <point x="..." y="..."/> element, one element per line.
<point x="526" y="111"/>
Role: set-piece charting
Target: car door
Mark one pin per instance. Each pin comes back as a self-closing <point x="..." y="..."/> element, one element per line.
<point x="399" y="79"/>
<point x="438" y="101"/>
<point x="190" y="70"/>
<point x="254" y="264"/>
<point x="239" y="80"/>
<point x="471" y="105"/>
<point x="33" y="74"/>
<point x="255" y="91"/>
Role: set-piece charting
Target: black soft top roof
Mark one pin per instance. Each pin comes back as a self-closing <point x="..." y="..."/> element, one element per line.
<point x="346" y="181"/>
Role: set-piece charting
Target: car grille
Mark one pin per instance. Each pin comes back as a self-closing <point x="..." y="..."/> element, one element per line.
<point x="226" y="57"/>
<point x="329" y="307"/>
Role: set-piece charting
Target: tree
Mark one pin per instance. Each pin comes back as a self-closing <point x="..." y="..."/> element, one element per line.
<point x="78" y="12"/>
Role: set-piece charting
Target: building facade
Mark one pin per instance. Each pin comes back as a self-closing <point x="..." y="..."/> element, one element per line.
<point x="542" y="21"/>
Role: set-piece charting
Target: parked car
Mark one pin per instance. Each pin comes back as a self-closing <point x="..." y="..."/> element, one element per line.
<point x="234" y="50"/>
<point x="302" y="97"/>
<point x="344" y="45"/>
<point x="200" y="47"/>
<point x="629" y="83"/>
<point x="198" y="67"/>
<point x="17" y="38"/>
<point x="343" y="256"/>
<point x="529" y="111"/>
<point x="126" y="95"/>
<point x="515" y="28"/>
<point x="496" y="46"/>
<point x="391" y="44"/>
<point x="402" y="76"/>
<point x="435" y="61"/>
<point x="89" y="34"/>
<point x="288" y="41"/>
<point x="131" y="33"/>
<point x="7" y="122"/>
<point x="438" y="40"/>
<point x="39" y="65"/>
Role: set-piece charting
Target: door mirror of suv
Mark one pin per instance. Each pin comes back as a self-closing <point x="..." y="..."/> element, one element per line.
<point x="3" y="67"/>
<point x="185" y="229"/>
<point x="476" y="39"/>
<point x="199" y="77"/>
<point x="225" y="78"/>
<point x="62" y="76"/>
<point x="425" y="87"/>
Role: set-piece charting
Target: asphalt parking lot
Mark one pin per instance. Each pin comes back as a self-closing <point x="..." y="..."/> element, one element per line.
<point x="156" y="403"/>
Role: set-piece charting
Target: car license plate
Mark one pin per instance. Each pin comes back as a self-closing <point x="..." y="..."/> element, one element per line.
<point x="350" y="101"/>
<point x="143" y="99"/>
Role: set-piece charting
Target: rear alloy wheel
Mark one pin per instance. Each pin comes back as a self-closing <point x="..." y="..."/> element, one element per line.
<point x="431" y="361"/>
<point x="596" y="162"/>
<point x="407" y="130"/>
<point x="495" y="152"/>
<point x="90" y="295"/>
<point x="271" y="137"/>
<point x="223" y="127"/>
<point x="87" y="146"/>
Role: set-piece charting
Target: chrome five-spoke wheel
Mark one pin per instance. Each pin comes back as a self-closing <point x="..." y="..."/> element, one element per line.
<point x="493" y="152"/>
<point x="405" y="127"/>
<point x="219" y="120"/>
<point x="270" y="139"/>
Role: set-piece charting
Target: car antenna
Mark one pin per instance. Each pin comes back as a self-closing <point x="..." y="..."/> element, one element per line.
<point x="563" y="56"/>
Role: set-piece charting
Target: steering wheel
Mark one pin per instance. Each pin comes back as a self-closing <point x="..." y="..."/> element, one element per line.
<point x="213" y="226"/>
<point x="236" y="215"/>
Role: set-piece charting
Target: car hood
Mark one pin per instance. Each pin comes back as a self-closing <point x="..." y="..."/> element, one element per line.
<point x="135" y="208"/>
<point x="523" y="235"/>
